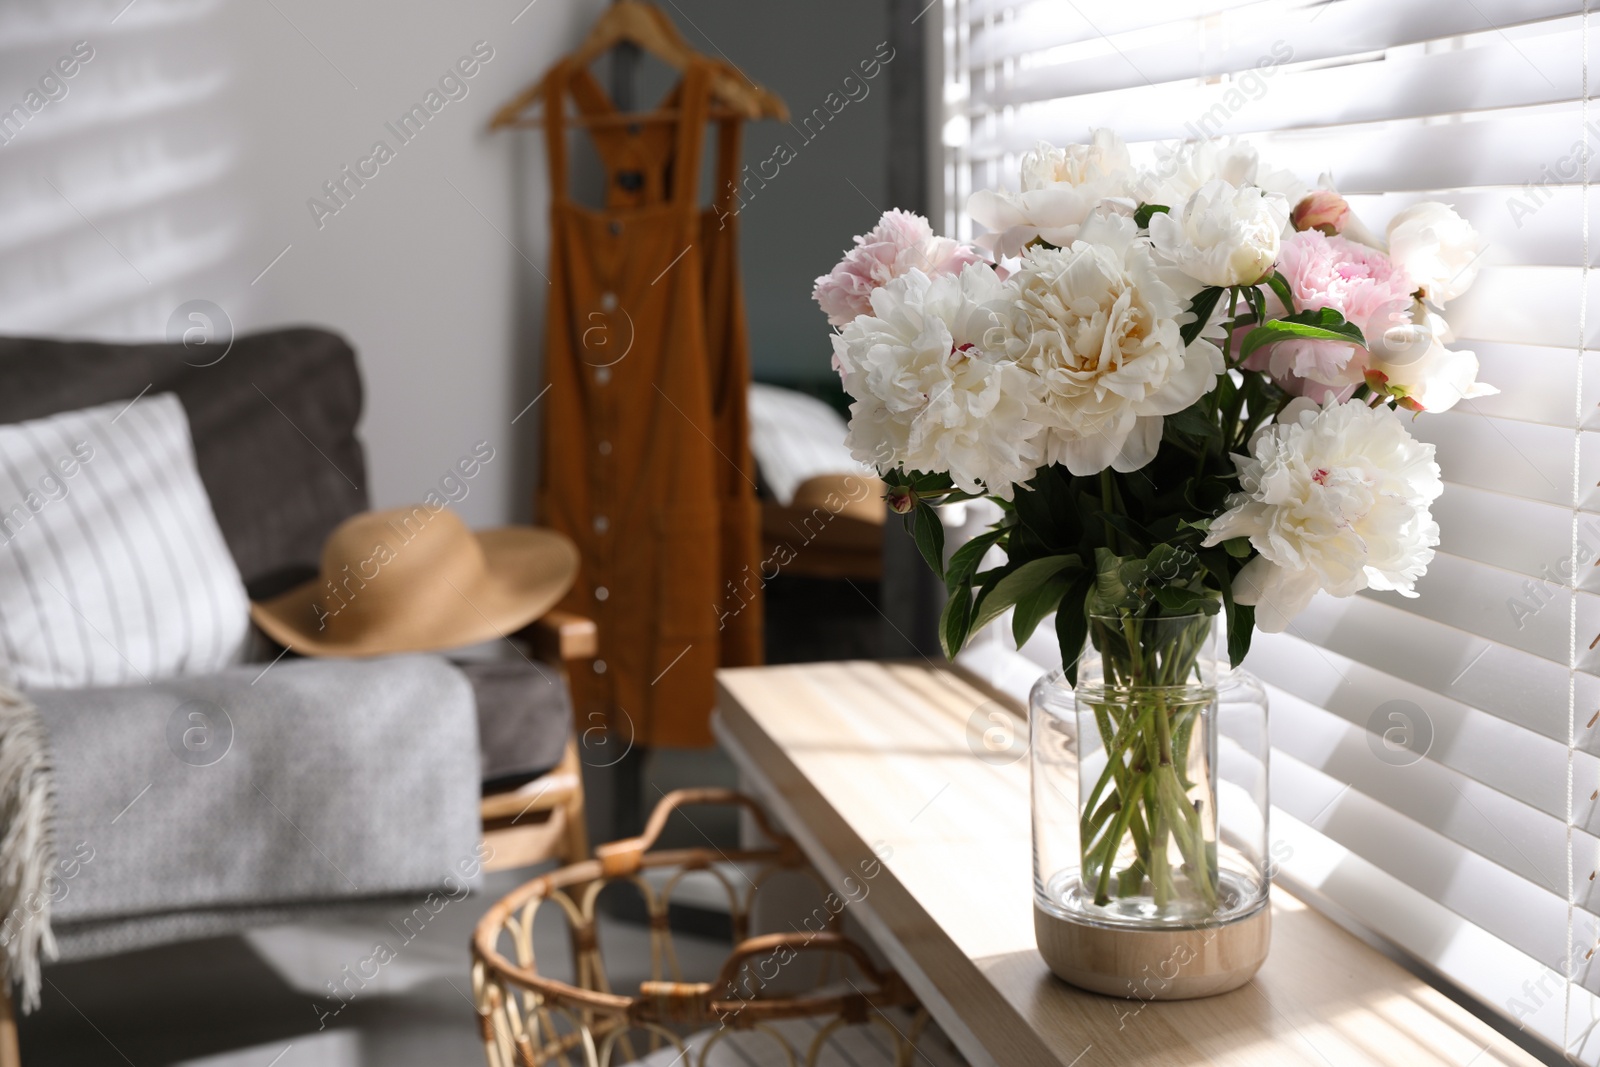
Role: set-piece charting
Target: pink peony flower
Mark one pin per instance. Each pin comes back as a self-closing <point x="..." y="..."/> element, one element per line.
<point x="899" y="243"/>
<point x="1359" y="282"/>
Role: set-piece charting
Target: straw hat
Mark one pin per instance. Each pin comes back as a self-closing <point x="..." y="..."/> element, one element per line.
<point x="414" y="579"/>
<point x="855" y="496"/>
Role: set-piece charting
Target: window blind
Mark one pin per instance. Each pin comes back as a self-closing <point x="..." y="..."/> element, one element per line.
<point x="1437" y="760"/>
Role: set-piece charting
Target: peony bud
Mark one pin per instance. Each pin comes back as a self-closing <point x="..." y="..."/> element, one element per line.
<point x="1323" y="210"/>
<point x="902" y="499"/>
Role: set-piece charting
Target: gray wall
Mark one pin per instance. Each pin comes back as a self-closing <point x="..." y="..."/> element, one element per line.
<point x="836" y="183"/>
<point x="177" y="164"/>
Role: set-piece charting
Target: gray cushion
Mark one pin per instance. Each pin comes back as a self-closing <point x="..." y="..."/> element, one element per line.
<point x="524" y="719"/>
<point x="273" y="423"/>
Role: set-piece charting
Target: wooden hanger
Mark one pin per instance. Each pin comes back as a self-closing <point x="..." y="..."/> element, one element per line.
<point x="647" y="27"/>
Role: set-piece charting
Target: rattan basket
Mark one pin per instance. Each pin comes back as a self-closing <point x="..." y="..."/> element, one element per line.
<point x="530" y="1020"/>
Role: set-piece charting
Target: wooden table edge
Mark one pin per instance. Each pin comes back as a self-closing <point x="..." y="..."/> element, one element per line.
<point x="745" y="743"/>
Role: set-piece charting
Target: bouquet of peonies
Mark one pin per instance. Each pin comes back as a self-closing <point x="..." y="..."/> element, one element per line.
<point x="1180" y="384"/>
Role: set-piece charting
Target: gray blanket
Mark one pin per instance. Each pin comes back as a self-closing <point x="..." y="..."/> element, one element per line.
<point x="198" y="806"/>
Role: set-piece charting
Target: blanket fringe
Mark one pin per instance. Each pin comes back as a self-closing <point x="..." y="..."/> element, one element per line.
<point x="27" y="852"/>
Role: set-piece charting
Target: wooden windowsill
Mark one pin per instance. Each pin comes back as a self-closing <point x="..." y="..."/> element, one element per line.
<point x="864" y="760"/>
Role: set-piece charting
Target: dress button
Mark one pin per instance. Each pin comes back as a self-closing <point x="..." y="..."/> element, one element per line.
<point x="601" y="524"/>
<point x="608" y="301"/>
<point x="601" y="592"/>
<point x="599" y="666"/>
<point x="615" y="228"/>
<point x="605" y="448"/>
<point x="602" y="375"/>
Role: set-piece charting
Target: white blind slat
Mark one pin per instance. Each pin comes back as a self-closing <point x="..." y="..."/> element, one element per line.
<point x="1518" y="837"/>
<point x="1194" y="48"/>
<point x="1542" y="392"/>
<point x="1498" y="753"/>
<point x="1479" y="600"/>
<point x="1275" y="90"/>
<point x="1527" y="538"/>
<point x="1473" y="887"/>
<point x="1501" y="148"/>
<point x="1362" y="894"/>
<point x="1516" y="686"/>
<point x="1503" y="456"/>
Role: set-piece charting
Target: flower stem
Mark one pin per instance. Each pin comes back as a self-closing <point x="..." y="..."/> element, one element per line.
<point x="1108" y="502"/>
<point x="1139" y="827"/>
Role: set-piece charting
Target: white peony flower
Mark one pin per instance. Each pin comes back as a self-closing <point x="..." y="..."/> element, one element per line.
<point x="1223" y="234"/>
<point x="1181" y="169"/>
<point x="1060" y="188"/>
<point x="1410" y="361"/>
<point x="1333" y="498"/>
<point x="1437" y="248"/>
<point x="1098" y="326"/>
<point x="927" y="396"/>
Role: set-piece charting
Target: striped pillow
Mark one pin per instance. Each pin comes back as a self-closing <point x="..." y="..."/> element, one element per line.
<point x="112" y="567"/>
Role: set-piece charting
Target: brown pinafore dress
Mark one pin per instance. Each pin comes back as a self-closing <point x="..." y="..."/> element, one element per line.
<point x="646" y="458"/>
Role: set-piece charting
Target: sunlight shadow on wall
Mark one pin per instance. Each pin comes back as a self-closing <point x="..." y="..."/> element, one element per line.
<point x="114" y="178"/>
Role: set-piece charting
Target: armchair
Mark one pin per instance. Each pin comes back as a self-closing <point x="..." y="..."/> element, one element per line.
<point x="273" y="423"/>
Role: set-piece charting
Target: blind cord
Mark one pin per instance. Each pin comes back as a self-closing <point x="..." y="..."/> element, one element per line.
<point x="1577" y="502"/>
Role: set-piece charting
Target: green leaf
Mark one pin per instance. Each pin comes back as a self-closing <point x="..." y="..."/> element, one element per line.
<point x="1241" y="618"/>
<point x="924" y="482"/>
<point x="1256" y="300"/>
<point x="1238" y="547"/>
<point x="1107" y="573"/>
<point x="955" y="624"/>
<point x="1047" y="510"/>
<point x="1018" y="583"/>
<point x="1179" y="601"/>
<point x="1174" y="565"/>
<point x="1326" y="318"/>
<point x="1241" y="628"/>
<point x="929" y="534"/>
<point x="1118" y="583"/>
<point x="964" y="560"/>
<point x="1038" y="602"/>
<point x="1072" y="623"/>
<point x="1321" y="324"/>
<point x="1205" y="302"/>
<point x="1132" y="533"/>
<point x="1193" y="421"/>
<point x="1280" y="287"/>
<point x="1147" y="212"/>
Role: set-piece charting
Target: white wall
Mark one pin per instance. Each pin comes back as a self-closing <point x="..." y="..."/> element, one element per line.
<point x="180" y="160"/>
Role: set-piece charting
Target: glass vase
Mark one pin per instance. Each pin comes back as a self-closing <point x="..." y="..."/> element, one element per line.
<point x="1150" y="812"/>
